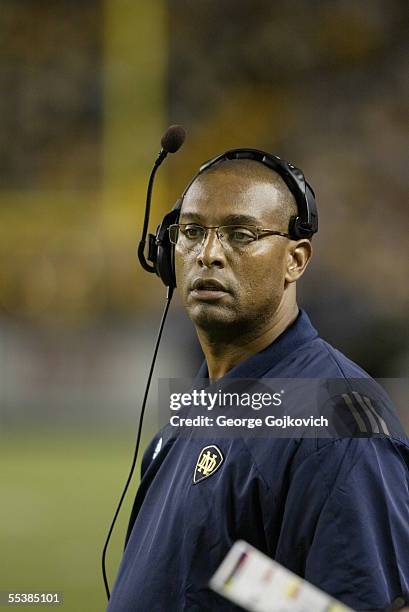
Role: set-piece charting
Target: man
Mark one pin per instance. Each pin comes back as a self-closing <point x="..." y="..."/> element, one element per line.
<point x="333" y="510"/>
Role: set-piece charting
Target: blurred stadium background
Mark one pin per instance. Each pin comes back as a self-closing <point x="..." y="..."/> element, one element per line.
<point x="87" y="90"/>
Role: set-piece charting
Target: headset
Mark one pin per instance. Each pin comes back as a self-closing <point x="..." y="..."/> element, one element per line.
<point x="161" y="251"/>
<point x="303" y="225"/>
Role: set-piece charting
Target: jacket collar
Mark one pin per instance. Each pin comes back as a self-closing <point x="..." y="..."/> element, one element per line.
<point x="297" y="334"/>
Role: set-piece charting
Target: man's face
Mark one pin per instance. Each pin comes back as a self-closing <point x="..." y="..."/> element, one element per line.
<point x="251" y="277"/>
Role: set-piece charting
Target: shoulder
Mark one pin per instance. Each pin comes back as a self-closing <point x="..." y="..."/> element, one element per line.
<point x="339" y="388"/>
<point x="318" y="359"/>
<point x="324" y="465"/>
<point x="376" y="451"/>
<point x="338" y="362"/>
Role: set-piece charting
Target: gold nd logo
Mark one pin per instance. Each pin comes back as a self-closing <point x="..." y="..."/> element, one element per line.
<point x="210" y="459"/>
<point x="207" y="463"/>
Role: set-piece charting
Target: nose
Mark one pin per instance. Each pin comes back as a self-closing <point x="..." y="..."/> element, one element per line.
<point x="211" y="252"/>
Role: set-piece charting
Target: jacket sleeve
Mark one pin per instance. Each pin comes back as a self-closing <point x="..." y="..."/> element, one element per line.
<point x="346" y="521"/>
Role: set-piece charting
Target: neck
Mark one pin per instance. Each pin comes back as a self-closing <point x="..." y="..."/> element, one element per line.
<point x="223" y="355"/>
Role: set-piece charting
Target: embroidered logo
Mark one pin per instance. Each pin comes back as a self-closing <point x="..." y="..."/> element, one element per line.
<point x="210" y="459"/>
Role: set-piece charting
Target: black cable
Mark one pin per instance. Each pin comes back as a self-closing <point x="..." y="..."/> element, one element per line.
<point x="138" y="438"/>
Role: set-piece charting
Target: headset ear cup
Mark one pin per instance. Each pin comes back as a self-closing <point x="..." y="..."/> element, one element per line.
<point x="299" y="229"/>
<point x="312" y="205"/>
<point x="165" y="267"/>
<point x="294" y="229"/>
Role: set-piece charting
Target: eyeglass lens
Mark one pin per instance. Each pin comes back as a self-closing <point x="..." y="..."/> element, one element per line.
<point x="191" y="236"/>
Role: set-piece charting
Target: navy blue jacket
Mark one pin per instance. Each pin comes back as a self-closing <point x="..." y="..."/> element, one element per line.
<point x="335" y="511"/>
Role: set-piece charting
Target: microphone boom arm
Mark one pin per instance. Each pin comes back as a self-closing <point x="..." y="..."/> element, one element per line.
<point x="141" y="248"/>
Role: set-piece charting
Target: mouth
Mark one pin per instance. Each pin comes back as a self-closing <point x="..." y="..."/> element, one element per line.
<point x="208" y="289"/>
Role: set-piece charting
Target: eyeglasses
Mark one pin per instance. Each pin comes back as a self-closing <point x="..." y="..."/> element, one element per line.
<point x="190" y="236"/>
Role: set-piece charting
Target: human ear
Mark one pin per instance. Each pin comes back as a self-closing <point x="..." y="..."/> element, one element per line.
<point x="299" y="254"/>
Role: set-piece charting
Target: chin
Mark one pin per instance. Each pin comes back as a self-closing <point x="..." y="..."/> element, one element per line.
<point x="212" y="317"/>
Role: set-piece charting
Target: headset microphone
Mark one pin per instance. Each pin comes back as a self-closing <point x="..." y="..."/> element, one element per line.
<point x="171" y="142"/>
<point x="173" y="138"/>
